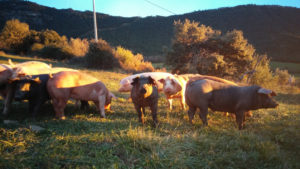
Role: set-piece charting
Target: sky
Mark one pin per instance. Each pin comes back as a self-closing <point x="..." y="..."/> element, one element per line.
<point x="143" y="8"/>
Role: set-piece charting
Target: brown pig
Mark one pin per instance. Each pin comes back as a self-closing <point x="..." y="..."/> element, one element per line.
<point x="204" y="94"/>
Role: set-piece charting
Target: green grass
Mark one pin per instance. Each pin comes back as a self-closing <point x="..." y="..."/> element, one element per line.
<point x="84" y="140"/>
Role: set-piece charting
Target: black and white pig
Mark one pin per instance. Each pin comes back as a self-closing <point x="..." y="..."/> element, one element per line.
<point x="226" y="98"/>
<point x="144" y="93"/>
<point x="34" y="89"/>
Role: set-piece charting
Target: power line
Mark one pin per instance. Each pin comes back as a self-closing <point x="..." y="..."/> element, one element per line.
<point x="158" y="6"/>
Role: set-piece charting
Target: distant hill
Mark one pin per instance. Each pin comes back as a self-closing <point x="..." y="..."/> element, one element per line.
<point x="274" y="30"/>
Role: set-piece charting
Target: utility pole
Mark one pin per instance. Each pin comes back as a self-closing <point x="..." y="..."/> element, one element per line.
<point x="95" y="22"/>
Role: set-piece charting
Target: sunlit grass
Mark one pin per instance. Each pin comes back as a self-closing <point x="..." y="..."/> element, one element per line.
<point x="84" y="140"/>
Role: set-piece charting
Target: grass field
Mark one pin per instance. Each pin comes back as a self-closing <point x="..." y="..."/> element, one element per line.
<point x="84" y="140"/>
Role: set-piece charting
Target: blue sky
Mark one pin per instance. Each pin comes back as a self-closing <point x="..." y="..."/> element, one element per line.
<point x="129" y="8"/>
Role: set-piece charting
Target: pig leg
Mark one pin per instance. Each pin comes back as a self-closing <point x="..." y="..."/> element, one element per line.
<point x="154" y="114"/>
<point x="170" y="103"/>
<point x="143" y="111"/>
<point x="8" y="99"/>
<point x="203" y="115"/>
<point x="59" y="106"/>
<point x="182" y="102"/>
<point x="191" y="113"/>
<point x="83" y="104"/>
<point x="34" y="106"/>
<point x="101" y="99"/>
<point x="140" y="113"/>
<point x="240" y="118"/>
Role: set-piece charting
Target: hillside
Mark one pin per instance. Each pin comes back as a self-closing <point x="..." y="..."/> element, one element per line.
<point x="274" y="30"/>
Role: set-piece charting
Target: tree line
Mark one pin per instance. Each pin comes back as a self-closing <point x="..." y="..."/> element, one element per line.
<point x="16" y="37"/>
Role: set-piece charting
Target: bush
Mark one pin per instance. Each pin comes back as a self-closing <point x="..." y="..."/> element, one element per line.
<point x="56" y="52"/>
<point x="212" y="64"/>
<point x="13" y="34"/>
<point x="100" y="55"/>
<point x="36" y="47"/>
<point x="79" y="47"/>
<point x="282" y="76"/>
<point x="262" y="74"/>
<point x="132" y="63"/>
<point x="50" y="37"/>
<point x="199" y="48"/>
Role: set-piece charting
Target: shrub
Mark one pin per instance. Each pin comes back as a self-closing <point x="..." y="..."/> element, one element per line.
<point x="282" y="76"/>
<point x="79" y="47"/>
<point x="130" y="62"/>
<point x="261" y="74"/>
<point x="100" y="55"/>
<point x="204" y="50"/>
<point x="212" y="64"/>
<point x="50" y="37"/>
<point x="13" y="35"/>
<point x="36" y="47"/>
<point x="56" y="52"/>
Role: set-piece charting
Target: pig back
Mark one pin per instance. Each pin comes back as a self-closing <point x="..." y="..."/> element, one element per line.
<point x="68" y="79"/>
<point x="233" y="98"/>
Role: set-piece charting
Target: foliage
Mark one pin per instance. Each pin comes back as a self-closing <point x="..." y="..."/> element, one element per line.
<point x="101" y="55"/>
<point x="282" y="76"/>
<point x="51" y="37"/>
<point x="262" y="75"/>
<point x="79" y="47"/>
<point x="36" y="47"/>
<point x="17" y="37"/>
<point x="56" y="52"/>
<point x="13" y="34"/>
<point x="208" y="51"/>
<point x="130" y="62"/>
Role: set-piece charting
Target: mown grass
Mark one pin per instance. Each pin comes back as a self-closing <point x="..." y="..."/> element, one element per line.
<point x="84" y="140"/>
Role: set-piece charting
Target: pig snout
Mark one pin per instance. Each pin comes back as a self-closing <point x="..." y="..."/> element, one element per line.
<point x="143" y="90"/>
<point x="168" y="90"/>
<point x="270" y="103"/>
<point x="274" y="104"/>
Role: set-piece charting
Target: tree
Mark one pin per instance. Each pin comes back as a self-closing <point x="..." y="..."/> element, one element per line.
<point x="101" y="55"/>
<point x="131" y="62"/>
<point x="51" y="37"/>
<point x="204" y="50"/>
<point x="13" y="35"/>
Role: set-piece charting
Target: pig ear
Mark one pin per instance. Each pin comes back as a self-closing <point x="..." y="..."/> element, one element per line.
<point x="266" y="91"/>
<point x="151" y="80"/>
<point x="36" y="80"/>
<point x="135" y="81"/>
<point x="18" y="72"/>
<point x="14" y="79"/>
<point x="11" y="63"/>
<point x="162" y="81"/>
<point x="273" y="93"/>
